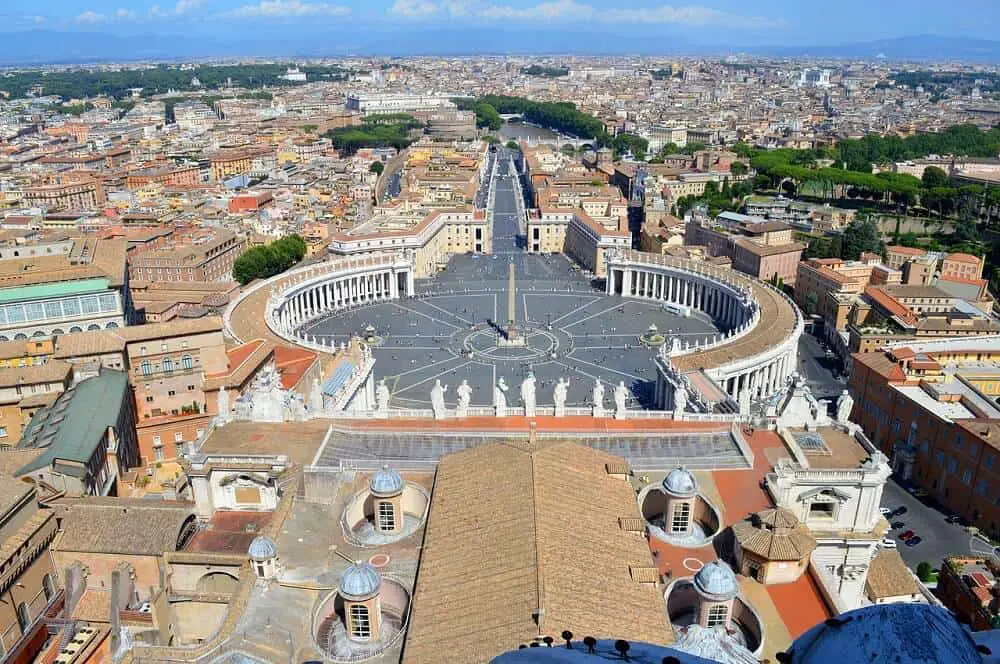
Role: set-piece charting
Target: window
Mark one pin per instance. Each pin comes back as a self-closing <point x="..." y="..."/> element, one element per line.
<point x="156" y="440"/>
<point x="973" y="449"/>
<point x="149" y="399"/>
<point x="952" y="465"/>
<point x="989" y="461"/>
<point x="187" y="362"/>
<point x="23" y="616"/>
<point x="822" y="509"/>
<point x="939" y="457"/>
<point x="924" y="446"/>
<point x="171" y="393"/>
<point x="168" y="364"/>
<point x="718" y="615"/>
<point x="158" y="451"/>
<point x="3" y="432"/>
<point x="360" y="626"/>
<point x="142" y="350"/>
<point x="147" y="368"/>
<point x="178" y="437"/>
<point x="680" y="520"/>
<point x="48" y="586"/>
<point x="967" y="476"/>
<point x="386" y="516"/>
<point x="981" y="488"/>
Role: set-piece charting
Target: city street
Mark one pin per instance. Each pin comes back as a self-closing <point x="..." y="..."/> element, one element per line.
<point x="818" y="370"/>
<point x="939" y="538"/>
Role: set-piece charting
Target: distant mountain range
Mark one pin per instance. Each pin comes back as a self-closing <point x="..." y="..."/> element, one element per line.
<point x="43" y="47"/>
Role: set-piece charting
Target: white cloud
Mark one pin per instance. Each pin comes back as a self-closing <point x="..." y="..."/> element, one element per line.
<point x="278" y="8"/>
<point x="415" y="8"/>
<point x="571" y="10"/>
<point x="184" y="6"/>
<point x="91" y="17"/>
<point x="125" y="13"/>
<point x="36" y="19"/>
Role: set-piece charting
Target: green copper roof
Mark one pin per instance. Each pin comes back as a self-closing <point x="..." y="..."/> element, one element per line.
<point x="75" y="423"/>
<point x="54" y="289"/>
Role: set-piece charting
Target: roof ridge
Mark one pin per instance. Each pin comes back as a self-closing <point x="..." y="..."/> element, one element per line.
<point x="539" y="577"/>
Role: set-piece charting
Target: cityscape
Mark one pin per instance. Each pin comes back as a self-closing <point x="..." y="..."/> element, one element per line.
<point x="404" y="348"/>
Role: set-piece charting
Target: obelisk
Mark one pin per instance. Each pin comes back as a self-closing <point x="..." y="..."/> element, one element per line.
<point x="511" y="303"/>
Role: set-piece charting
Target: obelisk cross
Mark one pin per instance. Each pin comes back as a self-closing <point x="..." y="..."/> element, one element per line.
<point x="511" y="329"/>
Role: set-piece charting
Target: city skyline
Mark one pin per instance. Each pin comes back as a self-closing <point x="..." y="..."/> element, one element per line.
<point x="718" y="22"/>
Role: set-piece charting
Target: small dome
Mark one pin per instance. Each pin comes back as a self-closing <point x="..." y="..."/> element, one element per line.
<point x="679" y="482"/>
<point x="716" y="581"/>
<point x="386" y="482"/>
<point x="262" y="548"/>
<point x="360" y="580"/>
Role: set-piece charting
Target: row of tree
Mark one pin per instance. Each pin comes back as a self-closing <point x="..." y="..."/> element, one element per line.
<point x="268" y="260"/>
<point x="78" y="84"/>
<point x="376" y="132"/>
<point x="545" y="72"/>
<point x="563" y="117"/>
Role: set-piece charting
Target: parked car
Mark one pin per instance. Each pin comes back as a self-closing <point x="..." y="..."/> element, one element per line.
<point x="913" y="541"/>
<point x="899" y="511"/>
<point x="896" y="525"/>
<point x="888" y="543"/>
<point x="907" y="535"/>
<point x="885" y="511"/>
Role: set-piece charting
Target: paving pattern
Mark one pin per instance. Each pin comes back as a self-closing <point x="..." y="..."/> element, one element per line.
<point x="449" y="330"/>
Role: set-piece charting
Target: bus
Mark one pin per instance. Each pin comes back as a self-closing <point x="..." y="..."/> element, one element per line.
<point x="678" y="309"/>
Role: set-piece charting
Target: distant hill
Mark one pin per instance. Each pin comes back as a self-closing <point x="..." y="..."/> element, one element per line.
<point x="45" y="46"/>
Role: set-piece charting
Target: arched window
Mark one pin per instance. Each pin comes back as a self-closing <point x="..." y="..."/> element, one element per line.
<point x="168" y="364"/>
<point x="76" y="328"/>
<point x="111" y="326"/>
<point x="23" y="616"/>
<point x="361" y="627"/>
<point x="147" y="368"/>
<point x="37" y="334"/>
<point x="57" y="331"/>
<point x="48" y="586"/>
<point x="93" y="326"/>
<point x="20" y="336"/>
<point x="187" y="362"/>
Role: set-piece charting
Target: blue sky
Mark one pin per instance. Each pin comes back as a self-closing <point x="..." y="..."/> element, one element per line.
<point x="770" y="22"/>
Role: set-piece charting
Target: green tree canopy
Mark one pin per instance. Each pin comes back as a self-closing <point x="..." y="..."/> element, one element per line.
<point x="269" y="260"/>
<point x="376" y="167"/>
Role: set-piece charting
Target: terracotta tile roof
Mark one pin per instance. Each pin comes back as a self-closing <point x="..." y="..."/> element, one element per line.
<point x="292" y="364"/>
<point x="121" y="525"/>
<point x="890" y="304"/>
<point x="52" y="371"/>
<point x="963" y="258"/>
<point x="908" y="251"/>
<point x="775" y="534"/>
<point x="889" y="577"/>
<point x="499" y="553"/>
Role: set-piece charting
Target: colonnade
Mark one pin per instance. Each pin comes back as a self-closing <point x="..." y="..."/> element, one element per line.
<point x="305" y="301"/>
<point x="720" y="301"/>
<point x="727" y="301"/>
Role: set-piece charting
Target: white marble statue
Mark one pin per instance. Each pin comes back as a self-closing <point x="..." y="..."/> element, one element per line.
<point x="500" y="397"/>
<point x="528" y="394"/>
<point x="464" y="393"/>
<point x="437" y="399"/>
<point x="559" y="396"/>
<point x="744" y="401"/>
<point x="680" y="401"/>
<point x="845" y="403"/>
<point x="621" y="398"/>
<point x="382" y="399"/>
<point x="222" y="406"/>
<point x="598" y="398"/>
<point x="316" y="397"/>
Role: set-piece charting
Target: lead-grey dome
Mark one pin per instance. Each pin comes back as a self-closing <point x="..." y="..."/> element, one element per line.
<point x="360" y="581"/>
<point x="681" y="483"/>
<point x="716" y="581"/>
<point x="386" y="482"/>
<point x="262" y="548"/>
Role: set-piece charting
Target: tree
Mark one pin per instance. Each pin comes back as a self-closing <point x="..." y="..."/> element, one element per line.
<point x="269" y="260"/>
<point x="859" y="238"/>
<point x="309" y="128"/>
<point x="738" y="168"/>
<point x="377" y="167"/>
<point x="742" y="150"/>
<point x="924" y="571"/>
<point x="512" y="145"/>
<point x="934" y="177"/>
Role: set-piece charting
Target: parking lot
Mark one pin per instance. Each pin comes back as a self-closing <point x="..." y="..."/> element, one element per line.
<point x="938" y="537"/>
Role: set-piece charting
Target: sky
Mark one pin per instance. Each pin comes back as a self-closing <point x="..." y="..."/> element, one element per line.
<point x="763" y="22"/>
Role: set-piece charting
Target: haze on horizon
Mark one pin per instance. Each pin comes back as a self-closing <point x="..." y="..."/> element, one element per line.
<point x="771" y="23"/>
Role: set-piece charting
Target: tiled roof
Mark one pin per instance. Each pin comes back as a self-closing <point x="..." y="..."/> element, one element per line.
<point x="775" y="534"/>
<point x="121" y="525"/>
<point x="889" y="577"/>
<point x="53" y="371"/>
<point x="501" y="564"/>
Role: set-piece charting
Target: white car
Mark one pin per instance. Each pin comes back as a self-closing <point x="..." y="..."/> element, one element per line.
<point x="885" y="511"/>
<point x="888" y="543"/>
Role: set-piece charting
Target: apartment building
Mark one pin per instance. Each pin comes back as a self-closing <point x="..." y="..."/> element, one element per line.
<point x="227" y="163"/>
<point x="83" y="195"/>
<point x="204" y="258"/>
<point x="25" y="390"/>
<point x="764" y="249"/>
<point x="931" y="407"/>
<point x="168" y="176"/>
<point x="166" y="364"/>
<point x="924" y="265"/>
